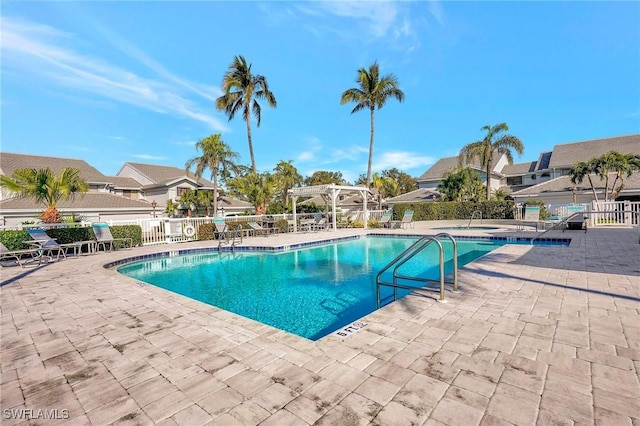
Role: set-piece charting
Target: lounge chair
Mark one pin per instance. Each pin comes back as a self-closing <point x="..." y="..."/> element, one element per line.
<point x="47" y="245"/>
<point x="531" y="217"/>
<point x="20" y="257"/>
<point x="256" y="228"/>
<point x="104" y="237"/>
<point x="407" y="220"/>
<point x="385" y="220"/>
<point x="576" y="219"/>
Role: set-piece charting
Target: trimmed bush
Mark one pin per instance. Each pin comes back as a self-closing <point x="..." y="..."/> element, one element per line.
<point x="453" y="210"/>
<point x="282" y="225"/>
<point x="206" y="231"/>
<point x="14" y="240"/>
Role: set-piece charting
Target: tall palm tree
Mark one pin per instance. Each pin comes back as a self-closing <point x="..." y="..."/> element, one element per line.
<point x="215" y="155"/>
<point x="45" y="187"/>
<point x="493" y="143"/>
<point x="241" y="91"/>
<point x="373" y="93"/>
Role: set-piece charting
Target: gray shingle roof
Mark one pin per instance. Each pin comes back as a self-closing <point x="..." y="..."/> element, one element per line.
<point x="564" y="184"/>
<point x="124" y="182"/>
<point x="445" y="164"/>
<point x="417" y="196"/>
<point x="518" y="169"/>
<point x="90" y="200"/>
<point x="162" y="174"/>
<point x="569" y="153"/>
<point x="10" y="162"/>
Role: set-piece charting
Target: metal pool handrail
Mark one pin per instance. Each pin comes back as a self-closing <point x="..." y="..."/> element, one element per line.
<point x="472" y="216"/>
<point x="408" y="254"/>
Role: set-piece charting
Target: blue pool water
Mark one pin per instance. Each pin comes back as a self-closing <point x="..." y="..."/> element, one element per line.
<point x="310" y="292"/>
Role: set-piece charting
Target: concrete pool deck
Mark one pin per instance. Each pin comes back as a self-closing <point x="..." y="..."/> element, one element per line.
<point x="536" y="336"/>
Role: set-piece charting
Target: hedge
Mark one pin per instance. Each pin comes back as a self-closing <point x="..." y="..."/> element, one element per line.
<point x="14" y="239"/>
<point x="453" y="210"/>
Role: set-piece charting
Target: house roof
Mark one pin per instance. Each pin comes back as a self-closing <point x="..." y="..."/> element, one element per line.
<point x="124" y="182"/>
<point x="161" y="175"/>
<point x="564" y="184"/>
<point x="90" y="200"/>
<point x="420" y="195"/>
<point x="569" y="153"/>
<point x="10" y="162"/>
<point x="227" y="202"/>
<point x="445" y="164"/>
<point x="518" y="169"/>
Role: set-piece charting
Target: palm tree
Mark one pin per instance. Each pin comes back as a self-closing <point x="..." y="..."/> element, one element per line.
<point x="386" y="187"/>
<point x="45" y="187"/>
<point x="288" y="177"/>
<point x="258" y="189"/>
<point x="493" y="143"/>
<point x="374" y="91"/>
<point x="578" y="172"/>
<point x="241" y="91"/>
<point x="215" y="154"/>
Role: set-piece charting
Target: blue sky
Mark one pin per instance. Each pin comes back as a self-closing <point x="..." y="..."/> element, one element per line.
<point x="111" y="82"/>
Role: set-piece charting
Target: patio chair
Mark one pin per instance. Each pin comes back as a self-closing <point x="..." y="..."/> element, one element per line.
<point x="47" y="245"/>
<point x="531" y="216"/>
<point x="407" y="220"/>
<point x="576" y="219"/>
<point x="104" y="237"/>
<point x="385" y="220"/>
<point x="257" y="228"/>
<point x="20" y="257"/>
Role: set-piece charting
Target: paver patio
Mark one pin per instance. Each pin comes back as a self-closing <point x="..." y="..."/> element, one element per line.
<point x="536" y="336"/>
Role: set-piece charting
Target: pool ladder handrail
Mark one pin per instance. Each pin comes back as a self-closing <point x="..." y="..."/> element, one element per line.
<point x="231" y="241"/>
<point x="473" y="214"/>
<point x="407" y="255"/>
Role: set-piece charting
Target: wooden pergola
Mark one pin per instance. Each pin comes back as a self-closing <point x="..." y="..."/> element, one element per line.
<point x="328" y="192"/>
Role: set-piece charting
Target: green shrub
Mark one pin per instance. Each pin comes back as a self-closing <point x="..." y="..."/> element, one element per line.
<point x="282" y="225"/>
<point x="14" y="239"/>
<point x="206" y="231"/>
<point x="453" y="210"/>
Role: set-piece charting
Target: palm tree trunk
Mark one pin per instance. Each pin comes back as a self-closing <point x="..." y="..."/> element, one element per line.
<point x="489" y="178"/>
<point x="370" y="149"/>
<point x="215" y="192"/>
<point x="593" y="189"/>
<point x="253" y="160"/>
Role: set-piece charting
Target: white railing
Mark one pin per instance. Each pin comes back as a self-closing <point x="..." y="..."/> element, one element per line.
<point x="615" y="213"/>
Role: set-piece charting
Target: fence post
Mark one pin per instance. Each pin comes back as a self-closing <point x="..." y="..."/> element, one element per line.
<point x="592" y="218"/>
<point x="627" y="213"/>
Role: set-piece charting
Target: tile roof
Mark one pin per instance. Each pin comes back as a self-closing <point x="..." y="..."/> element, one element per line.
<point x="90" y="200"/>
<point x="163" y="174"/>
<point x="10" y="162"/>
<point x="564" y="184"/>
<point x="124" y="182"/>
<point x="569" y="153"/>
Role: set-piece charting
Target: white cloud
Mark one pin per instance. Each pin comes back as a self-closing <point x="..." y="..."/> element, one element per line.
<point x="43" y="51"/>
<point x="148" y="157"/>
<point x="402" y="160"/>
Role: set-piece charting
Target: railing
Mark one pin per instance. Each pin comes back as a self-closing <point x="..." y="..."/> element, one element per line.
<point x="407" y="255"/>
<point x="473" y="214"/>
<point x="615" y="213"/>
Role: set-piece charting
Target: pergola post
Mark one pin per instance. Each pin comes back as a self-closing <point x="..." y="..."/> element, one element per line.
<point x="294" y="198"/>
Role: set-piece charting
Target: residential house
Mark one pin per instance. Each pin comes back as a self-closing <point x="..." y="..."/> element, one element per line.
<point x="137" y="191"/>
<point x="547" y="178"/>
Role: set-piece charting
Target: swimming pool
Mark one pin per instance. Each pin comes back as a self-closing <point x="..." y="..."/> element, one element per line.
<point x="461" y="228"/>
<point x="310" y="291"/>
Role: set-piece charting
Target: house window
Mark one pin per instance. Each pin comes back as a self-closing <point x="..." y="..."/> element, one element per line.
<point x="514" y="180"/>
<point x="181" y="191"/>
